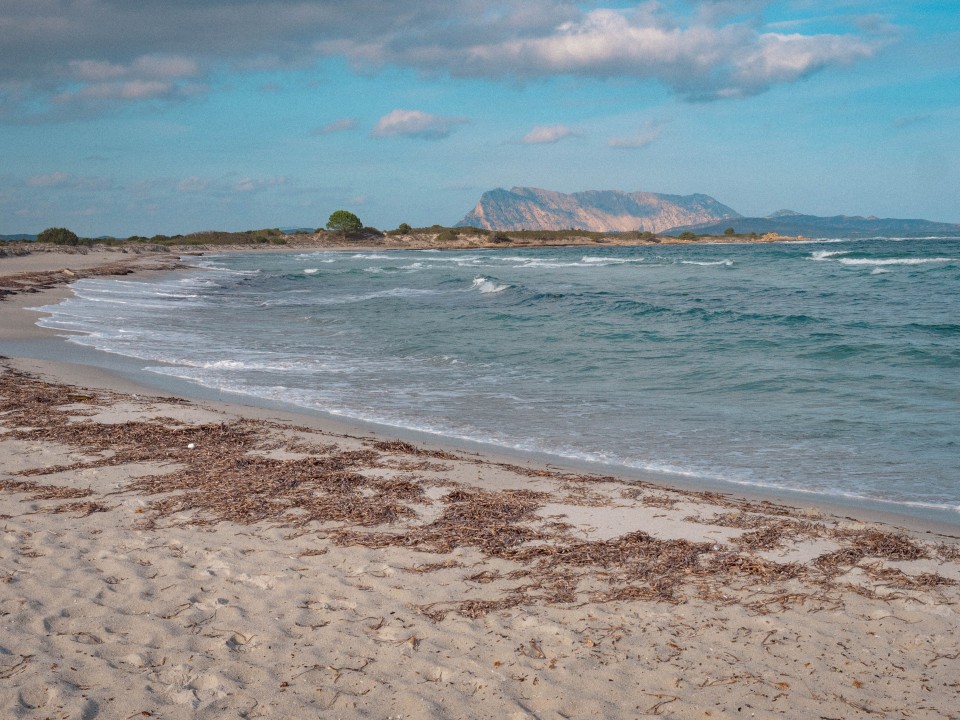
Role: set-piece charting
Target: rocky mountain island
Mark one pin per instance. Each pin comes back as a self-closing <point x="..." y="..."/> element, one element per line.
<point x="526" y="208"/>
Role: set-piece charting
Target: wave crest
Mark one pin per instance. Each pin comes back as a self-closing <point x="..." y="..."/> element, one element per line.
<point x="487" y="287"/>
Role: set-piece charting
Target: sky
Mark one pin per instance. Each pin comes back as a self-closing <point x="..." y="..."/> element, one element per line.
<point x="124" y="117"/>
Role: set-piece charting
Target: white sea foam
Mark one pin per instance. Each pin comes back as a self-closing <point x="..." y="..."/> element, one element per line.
<point x="398" y="292"/>
<point x="827" y="254"/>
<point x="528" y="263"/>
<point x="705" y="263"/>
<point x="487" y="287"/>
<point x="894" y="261"/>
<point x="595" y="260"/>
<point x="311" y="271"/>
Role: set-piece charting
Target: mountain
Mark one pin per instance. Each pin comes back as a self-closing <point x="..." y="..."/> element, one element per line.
<point x="21" y="236"/>
<point x="525" y="208"/>
<point x="788" y="222"/>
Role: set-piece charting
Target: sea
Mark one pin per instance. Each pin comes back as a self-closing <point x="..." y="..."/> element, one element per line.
<point x="829" y="369"/>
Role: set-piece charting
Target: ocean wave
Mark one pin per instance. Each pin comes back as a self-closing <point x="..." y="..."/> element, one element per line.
<point x="827" y="254"/>
<point x="488" y="287"/>
<point x="725" y="263"/>
<point x="399" y="292"/>
<point x="534" y="263"/>
<point x="221" y="270"/>
<point x="895" y="261"/>
<point x="311" y="271"/>
<point x="599" y="260"/>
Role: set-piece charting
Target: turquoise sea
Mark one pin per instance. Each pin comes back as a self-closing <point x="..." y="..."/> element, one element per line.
<point x="830" y="368"/>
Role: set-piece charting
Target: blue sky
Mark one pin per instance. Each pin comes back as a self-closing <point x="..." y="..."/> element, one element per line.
<point x="121" y="117"/>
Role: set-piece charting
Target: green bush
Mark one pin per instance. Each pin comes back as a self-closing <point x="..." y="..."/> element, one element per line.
<point x="58" y="236"/>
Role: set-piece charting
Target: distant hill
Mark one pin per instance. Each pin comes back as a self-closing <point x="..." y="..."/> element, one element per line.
<point x="788" y="222"/>
<point x="21" y="236"/>
<point x="525" y="208"/>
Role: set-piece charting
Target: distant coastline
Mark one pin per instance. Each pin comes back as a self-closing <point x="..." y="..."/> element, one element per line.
<point x="435" y="237"/>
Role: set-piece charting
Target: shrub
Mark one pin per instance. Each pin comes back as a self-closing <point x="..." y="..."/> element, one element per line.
<point x="404" y="229"/>
<point x="58" y="236"/>
<point x="448" y="235"/>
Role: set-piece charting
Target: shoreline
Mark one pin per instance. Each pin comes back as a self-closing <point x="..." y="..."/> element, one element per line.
<point x="20" y="330"/>
<point x="185" y="558"/>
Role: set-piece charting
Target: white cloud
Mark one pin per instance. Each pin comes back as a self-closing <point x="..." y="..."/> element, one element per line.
<point x="418" y="124"/>
<point x="341" y="125"/>
<point x="192" y="184"/>
<point x="144" y="78"/>
<point x="781" y="58"/>
<point x="249" y="184"/>
<point x="648" y="134"/>
<point x="53" y="179"/>
<point x="101" y="51"/>
<point x="125" y="90"/>
<point x="548" y="134"/>
<point x="70" y="182"/>
<point x="699" y="61"/>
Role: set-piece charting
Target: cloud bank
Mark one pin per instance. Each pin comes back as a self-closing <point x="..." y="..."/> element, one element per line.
<point x="101" y="52"/>
<point x="542" y="134"/>
<point x="417" y="124"/>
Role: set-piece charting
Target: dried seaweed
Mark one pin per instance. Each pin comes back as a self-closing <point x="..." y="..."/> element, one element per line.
<point x="217" y="472"/>
<point x="868" y="543"/>
<point x="405" y="448"/>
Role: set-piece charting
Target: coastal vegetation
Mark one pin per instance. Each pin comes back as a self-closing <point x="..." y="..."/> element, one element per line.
<point x="58" y="236"/>
<point x="344" y="222"/>
<point x="345" y="229"/>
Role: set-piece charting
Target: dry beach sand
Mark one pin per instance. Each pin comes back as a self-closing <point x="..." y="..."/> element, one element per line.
<point x="162" y="557"/>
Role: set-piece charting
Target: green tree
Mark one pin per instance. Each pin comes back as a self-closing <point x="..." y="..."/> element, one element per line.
<point x="729" y="231"/>
<point x="404" y="229"/>
<point x="344" y="222"/>
<point x="58" y="236"/>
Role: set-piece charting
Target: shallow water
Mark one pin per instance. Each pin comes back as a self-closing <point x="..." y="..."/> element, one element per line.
<point x="828" y="367"/>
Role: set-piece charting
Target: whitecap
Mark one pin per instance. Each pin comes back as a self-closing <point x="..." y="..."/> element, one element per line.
<point x="487" y="287"/>
<point x="725" y="263"/>
<point x="594" y="260"/>
<point x="894" y="261"/>
<point x="311" y="271"/>
<point x="827" y="254"/>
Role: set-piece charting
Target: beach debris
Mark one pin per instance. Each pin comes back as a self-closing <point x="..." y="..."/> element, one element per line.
<point x="494" y="544"/>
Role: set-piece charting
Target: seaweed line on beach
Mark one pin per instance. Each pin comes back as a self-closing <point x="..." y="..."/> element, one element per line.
<point x="252" y="472"/>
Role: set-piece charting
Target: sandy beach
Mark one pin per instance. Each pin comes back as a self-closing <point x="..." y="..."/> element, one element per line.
<point x="175" y="558"/>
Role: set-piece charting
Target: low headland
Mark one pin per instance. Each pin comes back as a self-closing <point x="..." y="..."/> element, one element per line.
<point x="403" y="238"/>
<point x="170" y="557"/>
